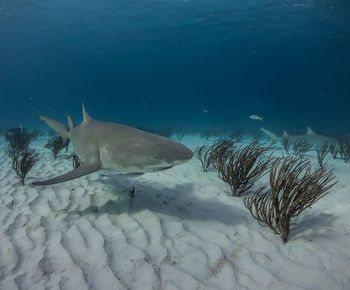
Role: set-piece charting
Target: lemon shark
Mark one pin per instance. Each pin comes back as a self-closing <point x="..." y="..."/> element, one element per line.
<point x="115" y="147"/>
<point x="314" y="138"/>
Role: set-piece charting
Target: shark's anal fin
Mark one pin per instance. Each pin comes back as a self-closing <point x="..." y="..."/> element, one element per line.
<point x="78" y="172"/>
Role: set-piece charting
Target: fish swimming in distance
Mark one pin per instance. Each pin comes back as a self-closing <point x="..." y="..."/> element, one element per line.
<point x="256" y="117"/>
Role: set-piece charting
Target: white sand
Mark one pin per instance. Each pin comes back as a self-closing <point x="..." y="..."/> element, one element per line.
<point x="182" y="230"/>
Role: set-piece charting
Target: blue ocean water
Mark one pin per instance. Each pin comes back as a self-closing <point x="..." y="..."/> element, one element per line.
<point x="169" y="63"/>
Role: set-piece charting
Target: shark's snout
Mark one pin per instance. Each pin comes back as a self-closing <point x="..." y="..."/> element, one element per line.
<point x="167" y="156"/>
<point x="178" y="155"/>
<point x="185" y="156"/>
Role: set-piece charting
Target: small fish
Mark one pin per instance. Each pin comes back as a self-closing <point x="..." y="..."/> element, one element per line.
<point x="206" y="111"/>
<point x="20" y="126"/>
<point x="256" y="117"/>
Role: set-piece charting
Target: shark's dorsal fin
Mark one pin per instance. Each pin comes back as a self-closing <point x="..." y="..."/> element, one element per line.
<point x="285" y="134"/>
<point x="86" y="116"/>
<point x="309" y="131"/>
<point x="70" y="122"/>
<point x="78" y="172"/>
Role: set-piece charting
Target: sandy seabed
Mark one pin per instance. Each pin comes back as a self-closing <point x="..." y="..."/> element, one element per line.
<point x="182" y="230"/>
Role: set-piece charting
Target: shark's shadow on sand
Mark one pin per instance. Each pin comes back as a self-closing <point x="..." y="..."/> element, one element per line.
<point x="178" y="201"/>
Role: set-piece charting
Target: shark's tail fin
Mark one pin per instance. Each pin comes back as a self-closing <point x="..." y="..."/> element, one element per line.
<point x="59" y="128"/>
<point x="273" y="136"/>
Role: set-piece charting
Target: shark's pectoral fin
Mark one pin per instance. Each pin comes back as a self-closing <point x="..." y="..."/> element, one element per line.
<point x="78" y="172"/>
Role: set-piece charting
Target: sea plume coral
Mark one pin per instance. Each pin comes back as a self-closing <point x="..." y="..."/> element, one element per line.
<point x="322" y="152"/>
<point x="302" y="145"/>
<point x="240" y="167"/>
<point x="293" y="188"/>
<point x="56" y="144"/>
<point x="344" y="147"/>
<point x="19" y="138"/>
<point x="23" y="162"/>
<point x="203" y="154"/>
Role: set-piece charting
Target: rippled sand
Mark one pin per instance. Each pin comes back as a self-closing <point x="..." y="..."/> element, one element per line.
<point x="182" y="230"/>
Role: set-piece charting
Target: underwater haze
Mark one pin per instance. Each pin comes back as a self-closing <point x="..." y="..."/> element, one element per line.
<point x="168" y="63"/>
<point x="238" y="120"/>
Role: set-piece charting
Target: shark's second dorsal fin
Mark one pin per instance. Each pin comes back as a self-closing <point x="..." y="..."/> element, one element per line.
<point x="70" y="122"/>
<point x="86" y="116"/>
<point x="285" y="134"/>
<point x="309" y="131"/>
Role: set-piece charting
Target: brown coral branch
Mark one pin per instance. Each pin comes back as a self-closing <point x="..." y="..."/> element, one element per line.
<point x="203" y="153"/>
<point x="23" y="162"/>
<point x="293" y="188"/>
<point x="240" y="167"/>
